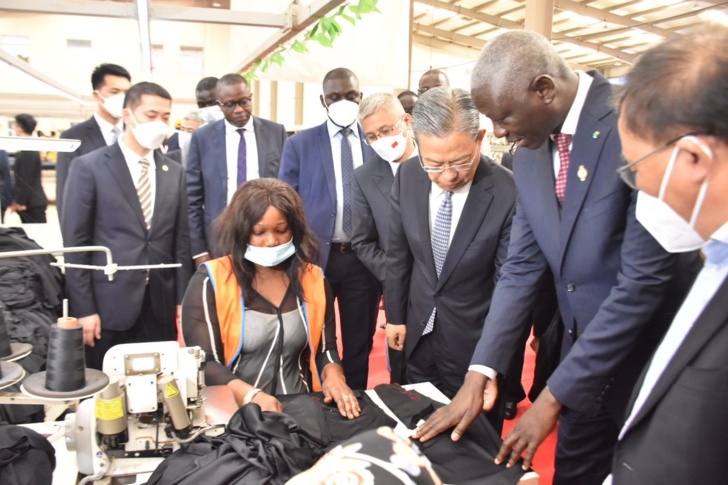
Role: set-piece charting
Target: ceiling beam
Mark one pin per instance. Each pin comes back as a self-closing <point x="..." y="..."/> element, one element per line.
<point x="92" y="8"/>
<point x="301" y="19"/>
<point x="605" y="16"/>
<point x="145" y="42"/>
<point x="26" y="68"/>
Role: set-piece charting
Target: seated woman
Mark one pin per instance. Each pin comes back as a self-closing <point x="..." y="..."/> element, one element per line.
<point x="263" y="314"/>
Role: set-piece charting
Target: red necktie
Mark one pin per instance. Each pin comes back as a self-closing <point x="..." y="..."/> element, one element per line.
<point x="562" y="144"/>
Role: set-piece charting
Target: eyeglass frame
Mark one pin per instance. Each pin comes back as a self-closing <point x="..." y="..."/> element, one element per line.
<point x="629" y="176"/>
<point x="246" y="101"/>
<point x="461" y="167"/>
<point x="382" y="133"/>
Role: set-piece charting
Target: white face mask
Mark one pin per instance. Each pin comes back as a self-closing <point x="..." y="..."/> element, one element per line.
<point x="114" y="105"/>
<point x="270" y="256"/>
<point x="151" y="134"/>
<point x="343" y="113"/>
<point x="675" y="234"/>
<point x="391" y="148"/>
<point x="184" y="140"/>
<point x="211" y="114"/>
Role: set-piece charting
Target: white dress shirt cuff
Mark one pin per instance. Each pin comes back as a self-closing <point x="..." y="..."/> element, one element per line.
<point x="486" y="371"/>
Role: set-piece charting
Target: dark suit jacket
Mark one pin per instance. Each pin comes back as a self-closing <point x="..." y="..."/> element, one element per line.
<point x="611" y="276"/>
<point x="102" y="208"/>
<point x="207" y="173"/>
<point x="371" y="192"/>
<point x="678" y="436"/>
<point x="308" y="166"/>
<point x="28" y="188"/>
<point x="478" y="249"/>
<point x="91" y="138"/>
<point x="173" y="142"/>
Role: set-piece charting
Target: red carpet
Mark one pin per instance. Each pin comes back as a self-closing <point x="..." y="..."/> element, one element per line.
<point x="544" y="461"/>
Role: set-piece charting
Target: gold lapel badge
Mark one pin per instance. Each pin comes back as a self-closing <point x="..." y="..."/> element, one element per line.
<point x="582" y="173"/>
<point x="165" y="168"/>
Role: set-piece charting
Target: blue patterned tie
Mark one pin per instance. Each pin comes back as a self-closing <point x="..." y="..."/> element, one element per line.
<point x="439" y="240"/>
<point x="347" y="170"/>
<point x="242" y="159"/>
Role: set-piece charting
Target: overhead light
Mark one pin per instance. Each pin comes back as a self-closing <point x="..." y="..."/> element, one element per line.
<point x="216" y="4"/>
<point x="581" y="19"/>
<point x="714" y="16"/>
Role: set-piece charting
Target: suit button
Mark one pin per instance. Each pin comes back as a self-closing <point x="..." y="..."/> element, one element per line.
<point x="570" y="288"/>
<point x="438" y="294"/>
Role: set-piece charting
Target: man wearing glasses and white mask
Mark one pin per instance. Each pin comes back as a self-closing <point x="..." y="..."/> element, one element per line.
<point x="451" y="212"/>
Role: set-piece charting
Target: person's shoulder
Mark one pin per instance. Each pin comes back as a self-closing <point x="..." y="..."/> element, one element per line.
<point x="307" y="133"/>
<point x="270" y="124"/>
<point x="371" y="166"/>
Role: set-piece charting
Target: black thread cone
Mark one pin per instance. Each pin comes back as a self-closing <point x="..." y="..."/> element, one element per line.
<point x="66" y="365"/>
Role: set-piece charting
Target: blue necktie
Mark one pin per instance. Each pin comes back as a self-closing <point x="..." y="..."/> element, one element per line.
<point x="440" y="242"/>
<point x="242" y="159"/>
<point x="347" y="170"/>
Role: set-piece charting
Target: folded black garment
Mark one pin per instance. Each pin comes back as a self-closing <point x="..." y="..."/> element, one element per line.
<point x="26" y="457"/>
<point x="467" y="461"/>
<point x="257" y="448"/>
<point x="326" y="423"/>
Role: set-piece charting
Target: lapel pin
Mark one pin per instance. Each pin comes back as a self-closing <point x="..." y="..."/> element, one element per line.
<point x="582" y="173"/>
<point x="165" y="168"/>
<point x="596" y="134"/>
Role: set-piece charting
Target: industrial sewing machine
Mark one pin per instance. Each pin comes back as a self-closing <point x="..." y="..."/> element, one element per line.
<point x="153" y="404"/>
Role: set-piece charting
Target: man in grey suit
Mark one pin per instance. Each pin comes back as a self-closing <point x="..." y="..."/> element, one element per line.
<point x="130" y="198"/>
<point x="109" y="83"/>
<point x="388" y="130"/>
<point x="225" y="154"/>
<point x="449" y="230"/>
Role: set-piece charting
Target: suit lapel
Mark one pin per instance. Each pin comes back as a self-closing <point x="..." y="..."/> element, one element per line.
<point x="165" y="191"/>
<point x="220" y="157"/>
<point x="327" y="160"/>
<point x="422" y="185"/>
<point x="95" y="134"/>
<point x="708" y="323"/>
<point x="476" y="206"/>
<point x="383" y="177"/>
<point x="260" y="141"/>
<point x="116" y="164"/>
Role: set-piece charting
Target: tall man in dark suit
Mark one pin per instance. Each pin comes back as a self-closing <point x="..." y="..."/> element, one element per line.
<point x="319" y="163"/>
<point x="223" y="155"/>
<point x="675" y="140"/>
<point x="29" y="199"/>
<point x="388" y="130"/>
<point x="109" y="83"/>
<point x="450" y="225"/>
<point x="129" y="198"/>
<point x="576" y="217"/>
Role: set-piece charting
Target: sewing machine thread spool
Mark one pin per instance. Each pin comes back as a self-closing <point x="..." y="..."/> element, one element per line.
<point x="66" y="360"/>
<point x="10" y="372"/>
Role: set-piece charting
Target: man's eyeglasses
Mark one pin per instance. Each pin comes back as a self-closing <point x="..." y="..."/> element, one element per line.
<point x="383" y="133"/>
<point x="459" y="167"/>
<point x="242" y="102"/>
<point x="629" y="176"/>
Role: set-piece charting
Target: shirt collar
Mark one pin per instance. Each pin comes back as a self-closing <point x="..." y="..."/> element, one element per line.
<point x="572" y="118"/>
<point x="132" y="158"/>
<point x="335" y="129"/>
<point x="230" y="128"/>
<point x="104" y="125"/>
<point x="716" y="250"/>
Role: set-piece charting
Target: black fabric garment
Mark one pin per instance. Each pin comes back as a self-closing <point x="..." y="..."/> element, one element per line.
<point x="326" y="423"/>
<point x="467" y="461"/>
<point x="26" y="458"/>
<point x="257" y="448"/>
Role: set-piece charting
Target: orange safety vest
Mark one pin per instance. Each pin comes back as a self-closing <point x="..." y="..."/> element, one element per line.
<point x="231" y="310"/>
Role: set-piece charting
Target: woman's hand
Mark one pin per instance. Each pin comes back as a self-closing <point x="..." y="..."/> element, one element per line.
<point x="335" y="389"/>
<point x="267" y="402"/>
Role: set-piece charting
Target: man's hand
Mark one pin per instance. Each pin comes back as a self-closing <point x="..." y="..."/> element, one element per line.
<point x="91" y="329"/>
<point x="530" y="431"/>
<point x="202" y="259"/>
<point x="396" y="335"/>
<point x="477" y="394"/>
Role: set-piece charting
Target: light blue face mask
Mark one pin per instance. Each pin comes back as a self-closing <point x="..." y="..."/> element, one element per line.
<point x="270" y="257"/>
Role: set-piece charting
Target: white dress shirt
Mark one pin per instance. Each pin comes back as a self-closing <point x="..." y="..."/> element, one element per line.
<point x="355" y="142"/>
<point x="111" y="133"/>
<point x="459" y="196"/>
<point x="572" y="119"/>
<point x="132" y="162"/>
<point x="232" y="142"/>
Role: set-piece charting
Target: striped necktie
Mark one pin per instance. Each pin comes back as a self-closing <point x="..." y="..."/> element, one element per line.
<point x="144" y="192"/>
<point x="440" y="241"/>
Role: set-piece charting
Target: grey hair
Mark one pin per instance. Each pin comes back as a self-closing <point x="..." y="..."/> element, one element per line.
<point x="511" y="61"/>
<point x="378" y="101"/>
<point x="193" y="116"/>
<point x="441" y="111"/>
